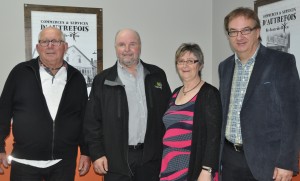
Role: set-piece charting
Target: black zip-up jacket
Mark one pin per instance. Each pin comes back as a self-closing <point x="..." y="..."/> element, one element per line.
<point x="106" y="121"/>
<point x="36" y="135"/>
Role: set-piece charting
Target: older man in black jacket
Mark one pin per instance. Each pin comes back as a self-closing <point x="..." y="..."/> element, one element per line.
<point x="46" y="99"/>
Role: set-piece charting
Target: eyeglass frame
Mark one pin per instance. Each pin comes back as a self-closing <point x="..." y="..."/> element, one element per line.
<point x="45" y="43"/>
<point x="187" y="62"/>
<point x="245" y="31"/>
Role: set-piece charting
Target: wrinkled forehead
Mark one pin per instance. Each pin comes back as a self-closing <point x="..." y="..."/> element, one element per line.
<point x="50" y="33"/>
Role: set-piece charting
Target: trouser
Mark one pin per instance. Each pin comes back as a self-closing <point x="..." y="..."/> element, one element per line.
<point x="140" y="172"/>
<point x="62" y="171"/>
<point x="234" y="165"/>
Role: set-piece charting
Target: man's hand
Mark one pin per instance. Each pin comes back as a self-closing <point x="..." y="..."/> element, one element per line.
<point x="100" y="165"/>
<point x="282" y="174"/>
<point x="84" y="165"/>
<point x="3" y="161"/>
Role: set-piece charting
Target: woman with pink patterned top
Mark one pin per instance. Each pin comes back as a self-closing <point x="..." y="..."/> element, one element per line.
<point x="193" y="123"/>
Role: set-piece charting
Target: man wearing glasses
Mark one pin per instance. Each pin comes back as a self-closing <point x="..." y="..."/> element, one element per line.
<point x="260" y="90"/>
<point x="45" y="97"/>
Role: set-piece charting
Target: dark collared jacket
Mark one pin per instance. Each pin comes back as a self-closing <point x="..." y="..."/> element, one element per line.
<point x="270" y="116"/>
<point x="36" y="135"/>
<point x="106" y="126"/>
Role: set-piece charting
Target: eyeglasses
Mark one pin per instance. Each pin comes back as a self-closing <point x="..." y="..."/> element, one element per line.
<point x="188" y="62"/>
<point x="244" y="31"/>
<point x="45" y="43"/>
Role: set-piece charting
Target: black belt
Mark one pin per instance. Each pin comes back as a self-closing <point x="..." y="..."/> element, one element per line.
<point x="237" y="147"/>
<point x="139" y="146"/>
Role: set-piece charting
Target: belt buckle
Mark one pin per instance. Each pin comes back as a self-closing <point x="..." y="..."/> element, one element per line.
<point x="237" y="147"/>
<point x="137" y="146"/>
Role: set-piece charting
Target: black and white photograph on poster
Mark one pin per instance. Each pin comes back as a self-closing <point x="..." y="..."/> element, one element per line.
<point x="80" y="31"/>
<point x="280" y="26"/>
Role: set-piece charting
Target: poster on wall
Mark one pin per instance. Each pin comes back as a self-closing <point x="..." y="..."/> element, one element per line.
<point x="81" y="27"/>
<point x="280" y="25"/>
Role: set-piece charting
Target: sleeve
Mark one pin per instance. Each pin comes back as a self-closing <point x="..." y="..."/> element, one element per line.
<point x="213" y="119"/>
<point x="93" y="123"/>
<point x="6" y="108"/>
<point x="288" y="91"/>
<point x="82" y="143"/>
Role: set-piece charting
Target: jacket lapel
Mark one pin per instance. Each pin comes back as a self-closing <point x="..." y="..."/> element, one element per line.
<point x="257" y="72"/>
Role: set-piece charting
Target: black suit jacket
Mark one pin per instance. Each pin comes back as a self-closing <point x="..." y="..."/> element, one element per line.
<point x="270" y="112"/>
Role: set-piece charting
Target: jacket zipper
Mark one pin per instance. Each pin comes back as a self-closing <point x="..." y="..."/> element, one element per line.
<point x="119" y="115"/>
<point x="150" y="101"/>
<point x="52" y="146"/>
<point x="53" y="129"/>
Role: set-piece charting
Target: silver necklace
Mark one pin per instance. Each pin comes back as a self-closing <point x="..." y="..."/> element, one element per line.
<point x="185" y="92"/>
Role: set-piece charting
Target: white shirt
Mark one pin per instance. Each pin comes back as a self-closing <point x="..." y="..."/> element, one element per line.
<point x="53" y="87"/>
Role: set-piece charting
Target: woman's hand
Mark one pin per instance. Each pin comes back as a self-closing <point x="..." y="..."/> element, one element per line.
<point x="204" y="176"/>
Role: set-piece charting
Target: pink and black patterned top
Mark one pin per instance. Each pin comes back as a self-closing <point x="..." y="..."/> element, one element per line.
<point x="177" y="140"/>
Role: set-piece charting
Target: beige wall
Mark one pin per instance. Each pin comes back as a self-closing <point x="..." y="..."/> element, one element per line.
<point x="163" y="26"/>
<point x="221" y="48"/>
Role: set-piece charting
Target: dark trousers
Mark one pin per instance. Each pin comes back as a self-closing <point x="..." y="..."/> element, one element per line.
<point x="140" y="172"/>
<point x="234" y="165"/>
<point x="62" y="171"/>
